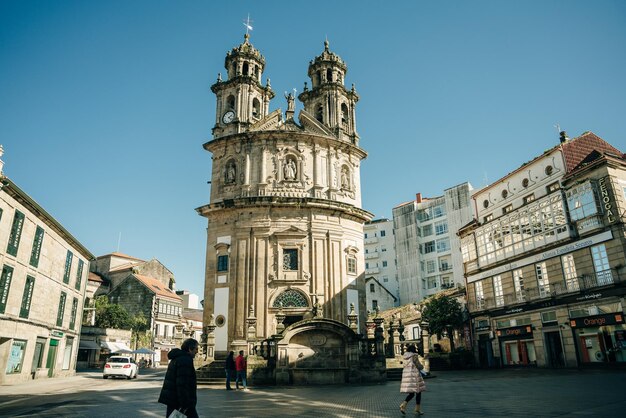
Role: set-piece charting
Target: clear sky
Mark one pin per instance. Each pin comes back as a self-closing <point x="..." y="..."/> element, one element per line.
<point x="105" y="105"/>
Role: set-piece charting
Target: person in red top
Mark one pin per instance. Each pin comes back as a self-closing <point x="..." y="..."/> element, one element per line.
<point x="241" y="365"/>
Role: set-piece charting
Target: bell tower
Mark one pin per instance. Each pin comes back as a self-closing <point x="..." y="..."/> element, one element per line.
<point x="241" y="99"/>
<point x="328" y="100"/>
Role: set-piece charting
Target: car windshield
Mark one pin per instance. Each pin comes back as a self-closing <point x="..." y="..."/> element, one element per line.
<point x="118" y="360"/>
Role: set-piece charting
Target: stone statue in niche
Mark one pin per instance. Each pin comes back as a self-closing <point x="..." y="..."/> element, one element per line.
<point x="345" y="182"/>
<point x="290" y="170"/>
<point x="231" y="172"/>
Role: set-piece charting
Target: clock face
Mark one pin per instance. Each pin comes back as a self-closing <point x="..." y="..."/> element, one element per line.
<point x="228" y="117"/>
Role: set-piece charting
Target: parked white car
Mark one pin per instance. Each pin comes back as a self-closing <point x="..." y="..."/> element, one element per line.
<point x="120" y="366"/>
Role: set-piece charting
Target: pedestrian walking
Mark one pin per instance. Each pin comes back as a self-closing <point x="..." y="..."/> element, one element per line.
<point x="230" y="368"/>
<point x="180" y="387"/>
<point x="241" y="365"/>
<point x="412" y="380"/>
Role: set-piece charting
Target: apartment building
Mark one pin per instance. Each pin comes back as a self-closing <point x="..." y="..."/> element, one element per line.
<point x="427" y="244"/>
<point x="380" y="264"/>
<point x="545" y="260"/>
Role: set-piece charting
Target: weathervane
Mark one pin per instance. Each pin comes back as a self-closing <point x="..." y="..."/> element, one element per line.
<point x="247" y="23"/>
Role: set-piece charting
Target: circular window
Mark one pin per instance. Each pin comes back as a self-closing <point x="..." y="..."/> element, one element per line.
<point x="220" y="320"/>
<point x="525" y="182"/>
<point x="549" y="170"/>
<point x="486" y="203"/>
<point x="505" y="193"/>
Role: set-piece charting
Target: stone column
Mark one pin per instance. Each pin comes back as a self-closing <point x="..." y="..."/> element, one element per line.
<point x="426" y="344"/>
<point x="251" y="337"/>
<point x="210" y="340"/>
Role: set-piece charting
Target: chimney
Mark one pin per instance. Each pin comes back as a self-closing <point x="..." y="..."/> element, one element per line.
<point x="563" y="136"/>
<point x="418" y="198"/>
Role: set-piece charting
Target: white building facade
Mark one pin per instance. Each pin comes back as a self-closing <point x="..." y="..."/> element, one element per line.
<point x="427" y="246"/>
<point x="42" y="288"/>
<point x="380" y="256"/>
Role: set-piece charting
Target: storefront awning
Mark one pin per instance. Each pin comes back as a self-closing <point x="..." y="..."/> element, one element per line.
<point x="88" y="345"/>
<point x="116" y="347"/>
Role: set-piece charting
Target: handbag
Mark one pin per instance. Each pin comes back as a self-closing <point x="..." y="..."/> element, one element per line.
<point x="177" y="414"/>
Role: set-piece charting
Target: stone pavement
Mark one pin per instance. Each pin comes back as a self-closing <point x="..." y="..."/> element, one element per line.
<point x="475" y="393"/>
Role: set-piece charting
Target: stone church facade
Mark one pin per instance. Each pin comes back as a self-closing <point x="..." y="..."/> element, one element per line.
<point x="285" y="223"/>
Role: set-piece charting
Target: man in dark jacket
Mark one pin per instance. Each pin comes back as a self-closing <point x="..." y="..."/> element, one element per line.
<point x="179" y="387"/>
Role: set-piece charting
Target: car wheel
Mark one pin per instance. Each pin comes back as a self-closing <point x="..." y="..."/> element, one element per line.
<point x="105" y="377"/>
<point x="136" y="373"/>
<point x="129" y="377"/>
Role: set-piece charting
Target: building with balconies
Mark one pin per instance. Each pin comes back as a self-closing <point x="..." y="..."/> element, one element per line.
<point x="544" y="260"/>
<point x="426" y="243"/>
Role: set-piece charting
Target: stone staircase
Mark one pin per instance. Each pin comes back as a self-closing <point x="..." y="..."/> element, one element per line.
<point x="213" y="373"/>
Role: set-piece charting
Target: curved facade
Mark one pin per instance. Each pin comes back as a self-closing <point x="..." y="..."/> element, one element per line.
<point x="285" y="227"/>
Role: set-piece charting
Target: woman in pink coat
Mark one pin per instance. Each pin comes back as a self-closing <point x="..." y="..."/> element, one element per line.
<point x="412" y="381"/>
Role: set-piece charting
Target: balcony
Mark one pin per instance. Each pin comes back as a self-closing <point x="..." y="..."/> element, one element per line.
<point x="370" y="256"/>
<point x="371" y="240"/>
<point x="589" y="224"/>
<point x="553" y="290"/>
<point x="372" y="270"/>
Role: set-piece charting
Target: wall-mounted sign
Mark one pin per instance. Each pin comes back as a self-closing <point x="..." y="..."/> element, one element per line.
<point x="515" y="331"/>
<point x="55" y="333"/>
<point x="608" y="202"/>
<point x="597" y="320"/>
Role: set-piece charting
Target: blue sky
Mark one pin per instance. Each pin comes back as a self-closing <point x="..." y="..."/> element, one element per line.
<point x="105" y="105"/>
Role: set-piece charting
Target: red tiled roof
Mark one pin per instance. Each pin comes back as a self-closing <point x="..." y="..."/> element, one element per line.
<point x="93" y="277"/>
<point x="156" y="286"/>
<point x="576" y="150"/>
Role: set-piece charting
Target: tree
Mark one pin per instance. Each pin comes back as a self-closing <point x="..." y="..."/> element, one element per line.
<point x="110" y="315"/>
<point x="444" y="314"/>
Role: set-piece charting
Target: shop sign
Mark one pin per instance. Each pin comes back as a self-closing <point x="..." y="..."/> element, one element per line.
<point x="597" y="320"/>
<point x="55" y="333"/>
<point x="607" y="202"/>
<point x="483" y="328"/>
<point x="515" y="331"/>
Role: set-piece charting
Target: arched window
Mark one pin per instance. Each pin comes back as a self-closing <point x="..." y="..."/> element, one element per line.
<point x="319" y="78"/>
<point x="257" y="72"/>
<point x="246" y="68"/>
<point x="329" y="75"/>
<point x="290" y="299"/>
<point x="234" y="69"/>
<point x="344" y="113"/>
<point x="256" y="108"/>
<point x="319" y="113"/>
<point x="230" y="102"/>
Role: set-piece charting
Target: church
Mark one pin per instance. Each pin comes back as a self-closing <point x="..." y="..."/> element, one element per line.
<point x="285" y="223"/>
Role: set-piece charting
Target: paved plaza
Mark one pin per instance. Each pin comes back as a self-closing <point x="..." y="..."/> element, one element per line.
<point x="497" y="393"/>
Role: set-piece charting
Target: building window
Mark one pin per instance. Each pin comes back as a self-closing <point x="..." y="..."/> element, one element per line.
<point x="581" y="201"/>
<point x="290" y="299"/>
<point x="5" y="285"/>
<point x="384" y="264"/>
<point x="542" y="279"/>
<point x="518" y="283"/>
<point x="16" y="357"/>
<point x="367" y="265"/>
<point x="601" y="265"/>
<point x="548" y="318"/>
<point x="438" y="211"/>
<point x="36" y="251"/>
<point x="290" y="259"/>
<point x="441" y="227"/>
<point x="79" y="273"/>
<point x="529" y="198"/>
<point x="443" y="245"/>
<point x="68" y="266"/>
<point x="374" y="305"/>
<point x="382" y="233"/>
<point x="366" y="235"/>
<point x="507" y="209"/>
<point x="427" y="230"/>
<point x="27" y="297"/>
<point x="479" y="294"/>
<point x="372" y="288"/>
<point x="385" y="279"/>
<point x="383" y="249"/>
<point x="430" y="266"/>
<point x="553" y="187"/>
<point x="222" y="263"/>
<point x="497" y="290"/>
<point x="569" y="272"/>
<point x="488" y="218"/>
<point x="429" y="247"/>
<point x="73" y="315"/>
<point x="61" y="310"/>
<point x="16" y="233"/>
<point x="351" y="265"/>
<point x="431" y="282"/>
